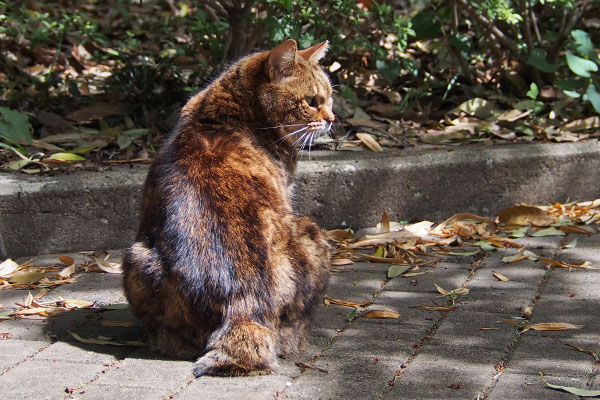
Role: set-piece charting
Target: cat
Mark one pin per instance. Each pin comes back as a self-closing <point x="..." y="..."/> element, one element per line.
<point x="222" y="269"/>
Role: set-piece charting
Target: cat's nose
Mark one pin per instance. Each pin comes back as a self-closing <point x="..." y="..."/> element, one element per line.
<point x="329" y="117"/>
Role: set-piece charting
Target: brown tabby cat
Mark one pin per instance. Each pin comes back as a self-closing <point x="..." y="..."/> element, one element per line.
<point x="222" y="268"/>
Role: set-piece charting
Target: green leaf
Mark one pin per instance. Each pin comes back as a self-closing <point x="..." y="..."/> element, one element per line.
<point x="583" y="44"/>
<point x="580" y="66"/>
<point x="464" y="253"/>
<point x="17" y="165"/>
<point x="533" y="91"/>
<point x="425" y="25"/>
<point x="66" y="157"/>
<point x="380" y="252"/>
<point x="548" y="232"/>
<point x="593" y="97"/>
<point x="537" y="59"/>
<point x="519" y="233"/>
<point x="485" y="245"/>
<point x="136" y="132"/>
<point x="571" y="244"/>
<point x="569" y="84"/>
<point x="535" y="105"/>
<point x="14" y="125"/>
<point x="396" y="270"/>
<point x="573" y="390"/>
<point x="123" y="141"/>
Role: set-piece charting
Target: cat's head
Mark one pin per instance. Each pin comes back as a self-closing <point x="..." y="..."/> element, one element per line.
<point x="297" y="97"/>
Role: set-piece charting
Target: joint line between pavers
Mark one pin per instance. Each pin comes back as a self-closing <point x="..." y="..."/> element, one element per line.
<point x="501" y="365"/>
<point x="29" y="357"/>
<point x="429" y="333"/>
<point x="332" y="340"/>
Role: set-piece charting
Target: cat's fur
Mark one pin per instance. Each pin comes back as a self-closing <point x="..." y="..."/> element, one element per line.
<point x="222" y="268"/>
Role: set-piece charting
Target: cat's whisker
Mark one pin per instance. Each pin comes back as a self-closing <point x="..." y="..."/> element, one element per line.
<point x="281" y="126"/>
<point x="281" y="139"/>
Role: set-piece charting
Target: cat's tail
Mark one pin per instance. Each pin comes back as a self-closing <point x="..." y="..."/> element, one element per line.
<point x="240" y="347"/>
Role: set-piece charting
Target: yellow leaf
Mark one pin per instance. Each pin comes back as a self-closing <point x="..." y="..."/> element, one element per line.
<point x="370" y="142"/>
<point x="381" y="314"/>
<point x="27" y="277"/>
<point x="74" y="303"/>
<point x="500" y="277"/>
<point x="524" y="215"/>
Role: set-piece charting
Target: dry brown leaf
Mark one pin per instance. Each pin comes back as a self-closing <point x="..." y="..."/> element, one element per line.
<point x="346" y="303"/>
<point x="104" y="341"/>
<point x="74" y="303"/>
<point x="303" y="367"/>
<point x="101" y="265"/>
<point x="552" y="326"/>
<point x="525" y="215"/>
<point x="500" y="277"/>
<point x="561" y="264"/>
<point x="66" y="272"/>
<point x="97" y="111"/>
<point x="575" y="229"/>
<point x="370" y="142"/>
<point x="459" y="291"/>
<point x="340" y="235"/>
<point x="375" y="239"/>
<point x="382" y="314"/>
<point x="385" y="223"/>
<point x="341" y="261"/>
<point x="67" y="260"/>
<point x="462" y="216"/>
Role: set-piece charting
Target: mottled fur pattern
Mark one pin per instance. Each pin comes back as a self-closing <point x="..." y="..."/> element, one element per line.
<point x="222" y="268"/>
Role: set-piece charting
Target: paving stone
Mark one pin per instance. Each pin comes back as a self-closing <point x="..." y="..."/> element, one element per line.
<point x="13" y="351"/>
<point x="519" y="386"/>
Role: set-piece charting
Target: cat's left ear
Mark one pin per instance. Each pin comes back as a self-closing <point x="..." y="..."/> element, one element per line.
<point x="316" y="52"/>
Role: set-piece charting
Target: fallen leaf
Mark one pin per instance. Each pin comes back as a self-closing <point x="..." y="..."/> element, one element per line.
<point x="385" y="223"/>
<point x="459" y="291"/>
<point x="74" y="303"/>
<point x="548" y="232"/>
<point x="382" y="314"/>
<point x="573" y="390"/>
<point x="66" y="157"/>
<point x="552" y="326"/>
<point x="435" y="308"/>
<point x="370" y="142"/>
<point x="104" y="341"/>
<point x="346" y="303"/>
<point x="303" y="367"/>
<point x="524" y="215"/>
<point x="396" y="270"/>
<point x="97" y="111"/>
<point x="67" y="260"/>
<point x="27" y="277"/>
<point x="8" y="267"/>
<point x="500" y="277"/>
<point x="341" y="261"/>
<point x="67" y="272"/>
<point x="340" y="235"/>
<point x="382" y="238"/>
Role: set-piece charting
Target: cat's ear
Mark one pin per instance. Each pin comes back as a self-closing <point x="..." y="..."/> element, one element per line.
<point x="316" y="52"/>
<point x="282" y="59"/>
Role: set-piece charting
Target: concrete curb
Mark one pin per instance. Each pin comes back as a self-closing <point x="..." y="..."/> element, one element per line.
<point x="99" y="210"/>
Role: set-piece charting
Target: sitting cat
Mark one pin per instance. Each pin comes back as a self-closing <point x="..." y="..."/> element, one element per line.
<point x="222" y="268"/>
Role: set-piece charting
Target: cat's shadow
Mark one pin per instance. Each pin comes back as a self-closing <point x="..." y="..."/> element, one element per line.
<point x="112" y="332"/>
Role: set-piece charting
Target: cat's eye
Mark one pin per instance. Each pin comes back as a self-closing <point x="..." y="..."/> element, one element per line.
<point x="311" y="101"/>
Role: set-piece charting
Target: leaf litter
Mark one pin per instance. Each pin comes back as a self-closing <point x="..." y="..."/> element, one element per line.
<point x="408" y="248"/>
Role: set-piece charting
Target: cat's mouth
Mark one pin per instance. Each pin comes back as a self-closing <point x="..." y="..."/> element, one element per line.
<point x="306" y="135"/>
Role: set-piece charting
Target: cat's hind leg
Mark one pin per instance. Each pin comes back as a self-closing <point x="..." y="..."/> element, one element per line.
<point x="240" y="347"/>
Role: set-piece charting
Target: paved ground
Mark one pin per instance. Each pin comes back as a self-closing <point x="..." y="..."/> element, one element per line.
<point x="467" y="353"/>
